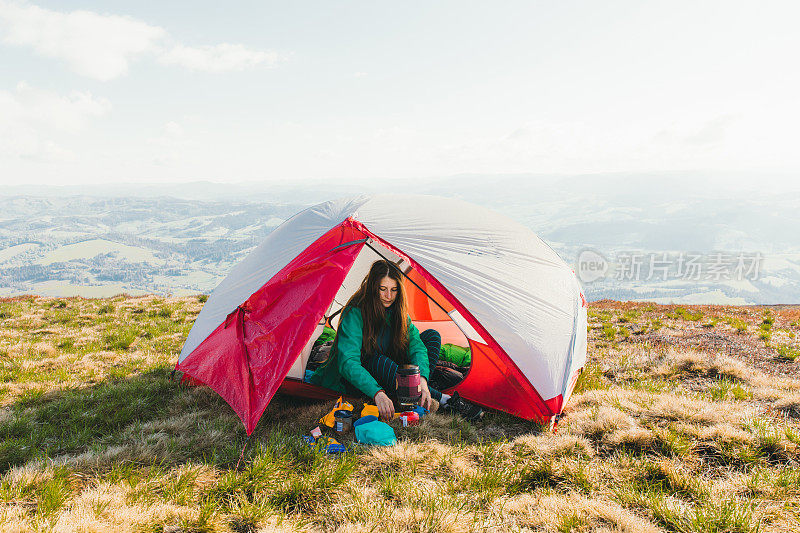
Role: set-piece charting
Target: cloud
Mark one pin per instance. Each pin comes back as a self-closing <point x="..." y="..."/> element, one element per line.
<point x="218" y="58"/>
<point x="711" y="132"/>
<point x="172" y="135"/>
<point x="27" y="105"/>
<point x="103" y="46"/>
<point x="173" y="129"/>
<point x="26" y="143"/>
<point x="30" y="116"/>
<point x="93" y="45"/>
<point x="519" y="134"/>
<point x="51" y="151"/>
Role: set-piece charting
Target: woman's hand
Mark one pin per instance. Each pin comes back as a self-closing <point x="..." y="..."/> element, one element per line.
<point x="425" y="400"/>
<point x="385" y="405"/>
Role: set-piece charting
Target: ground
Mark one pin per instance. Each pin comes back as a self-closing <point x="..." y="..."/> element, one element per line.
<point x="686" y="418"/>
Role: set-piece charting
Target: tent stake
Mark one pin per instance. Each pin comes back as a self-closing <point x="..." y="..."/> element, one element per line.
<point x="241" y="456"/>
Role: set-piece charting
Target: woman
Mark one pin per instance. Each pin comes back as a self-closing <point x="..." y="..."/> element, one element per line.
<point x="374" y="337"/>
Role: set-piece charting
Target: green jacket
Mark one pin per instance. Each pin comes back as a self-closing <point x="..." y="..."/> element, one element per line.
<point x="345" y="362"/>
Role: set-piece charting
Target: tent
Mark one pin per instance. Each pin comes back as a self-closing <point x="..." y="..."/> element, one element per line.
<point x="479" y="278"/>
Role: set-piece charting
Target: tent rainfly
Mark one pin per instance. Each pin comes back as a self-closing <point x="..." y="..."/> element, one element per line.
<point x="479" y="278"/>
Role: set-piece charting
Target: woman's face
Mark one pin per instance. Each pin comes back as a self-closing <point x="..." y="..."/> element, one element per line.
<point x="387" y="291"/>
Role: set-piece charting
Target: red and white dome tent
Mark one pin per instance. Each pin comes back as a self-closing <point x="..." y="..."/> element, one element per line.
<point x="473" y="274"/>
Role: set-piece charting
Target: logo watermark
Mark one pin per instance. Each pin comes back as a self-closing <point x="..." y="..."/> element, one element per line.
<point x="592" y="266"/>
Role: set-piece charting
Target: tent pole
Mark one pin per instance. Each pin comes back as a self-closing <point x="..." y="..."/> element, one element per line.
<point x="409" y="279"/>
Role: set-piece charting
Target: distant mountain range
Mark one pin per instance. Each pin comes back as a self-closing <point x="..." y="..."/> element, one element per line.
<point x="705" y="241"/>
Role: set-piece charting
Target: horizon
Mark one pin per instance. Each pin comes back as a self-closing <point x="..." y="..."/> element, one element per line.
<point x="742" y="182"/>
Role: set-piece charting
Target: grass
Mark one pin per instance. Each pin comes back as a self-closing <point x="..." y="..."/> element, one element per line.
<point x="590" y="378"/>
<point x="765" y="328"/>
<point x="711" y="517"/>
<point x="56" y="423"/>
<point x="609" y="331"/>
<point x="629" y="316"/>
<point x="680" y="313"/>
<point x="95" y="437"/>
<point x="787" y="353"/>
<point x="120" y="339"/>
<point x="725" y="389"/>
<point x="739" y="325"/>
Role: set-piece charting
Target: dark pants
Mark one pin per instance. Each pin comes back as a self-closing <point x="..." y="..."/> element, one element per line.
<point x="384" y="370"/>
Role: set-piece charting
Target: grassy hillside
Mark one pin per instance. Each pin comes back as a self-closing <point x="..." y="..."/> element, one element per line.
<point x="686" y="419"/>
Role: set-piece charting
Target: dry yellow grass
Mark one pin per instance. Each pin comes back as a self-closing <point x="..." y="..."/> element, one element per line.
<point x="656" y="438"/>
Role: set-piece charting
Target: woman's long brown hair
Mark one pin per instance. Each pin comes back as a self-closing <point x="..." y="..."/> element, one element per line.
<point x="373" y="314"/>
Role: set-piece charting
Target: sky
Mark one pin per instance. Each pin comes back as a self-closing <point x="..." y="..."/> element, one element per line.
<point x="139" y="92"/>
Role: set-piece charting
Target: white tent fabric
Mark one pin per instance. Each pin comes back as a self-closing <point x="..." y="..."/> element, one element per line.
<point x="515" y="285"/>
